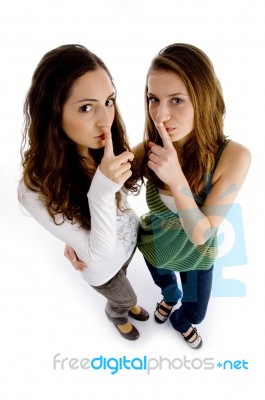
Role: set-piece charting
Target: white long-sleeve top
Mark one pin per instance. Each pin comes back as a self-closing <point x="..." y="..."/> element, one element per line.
<point x="113" y="235"/>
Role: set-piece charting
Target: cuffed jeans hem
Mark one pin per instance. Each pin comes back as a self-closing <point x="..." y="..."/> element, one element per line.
<point x="118" y="316"/>
<point x="179" y="327"/>
<point x="117" y="321"/>
<point x="196" y="287"/>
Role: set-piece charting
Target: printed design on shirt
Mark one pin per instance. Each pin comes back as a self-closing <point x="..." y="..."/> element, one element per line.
<point x="127" y="228"/>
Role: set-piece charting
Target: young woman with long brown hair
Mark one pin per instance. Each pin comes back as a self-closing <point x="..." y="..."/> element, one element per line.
<point x="78" y="170"/>
<point x="193" y="173"/>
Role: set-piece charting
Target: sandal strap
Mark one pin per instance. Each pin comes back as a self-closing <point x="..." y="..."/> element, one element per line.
<point x="193" y="332"/>
<point x="163" y="308"/>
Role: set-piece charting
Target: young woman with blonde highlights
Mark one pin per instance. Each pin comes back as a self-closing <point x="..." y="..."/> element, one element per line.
<point x="78" y="170"/>
<point x="193" y="175"/>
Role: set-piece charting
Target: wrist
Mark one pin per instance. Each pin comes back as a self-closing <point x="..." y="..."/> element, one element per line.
<point x="179" y="186"/>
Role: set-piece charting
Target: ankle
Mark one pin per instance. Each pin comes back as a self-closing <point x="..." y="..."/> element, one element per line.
<point x="191" y="335"/>
<point x="166" y="305"/>
<point x="135" y="309"/>
<point x="185" y="334"/>
<point x="192" y="338"/>
<point x="162" y="312"/>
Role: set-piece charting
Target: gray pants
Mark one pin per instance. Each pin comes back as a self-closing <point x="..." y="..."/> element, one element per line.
<point x="120" y="295"/>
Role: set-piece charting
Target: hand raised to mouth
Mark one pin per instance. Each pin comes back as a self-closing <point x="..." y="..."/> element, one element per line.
<point x="163" y="160"/>
<point x="116" y="168"/>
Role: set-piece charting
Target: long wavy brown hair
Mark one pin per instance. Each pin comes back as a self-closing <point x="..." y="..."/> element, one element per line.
<point x="50" y="161"/>
<point x="197" y="72"/>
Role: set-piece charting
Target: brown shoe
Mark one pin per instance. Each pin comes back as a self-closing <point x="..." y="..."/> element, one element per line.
<point x="132" y="335"/>
<point x="141" y="316"/>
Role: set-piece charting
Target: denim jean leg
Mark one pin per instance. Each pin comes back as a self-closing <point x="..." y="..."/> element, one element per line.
<point x="120" y="295"/>
<point x="196" y="287"/>
<point x="118" y="306"/>
<point x="167" y="281"/>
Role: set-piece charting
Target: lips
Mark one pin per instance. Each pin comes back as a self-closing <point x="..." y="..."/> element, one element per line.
<point x="100" y="137"/>
<point x="169" y="130"/>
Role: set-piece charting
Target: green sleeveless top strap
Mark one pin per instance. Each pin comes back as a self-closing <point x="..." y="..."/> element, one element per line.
<point x="162" y="239"/>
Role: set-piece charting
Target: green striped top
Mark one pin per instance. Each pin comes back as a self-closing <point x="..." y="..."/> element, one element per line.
<point x="162" y="239"/>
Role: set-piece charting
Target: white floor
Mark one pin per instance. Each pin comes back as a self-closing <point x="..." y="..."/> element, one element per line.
<point x="47" y="309"/>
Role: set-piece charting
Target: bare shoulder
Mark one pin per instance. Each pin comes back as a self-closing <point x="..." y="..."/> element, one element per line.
<point x="236" y="149"/>
<point x="234" y="161"/>
<point x="235" y="153"/>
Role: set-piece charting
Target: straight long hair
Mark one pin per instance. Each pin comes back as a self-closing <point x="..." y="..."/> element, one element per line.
<point x="197" y="72"/>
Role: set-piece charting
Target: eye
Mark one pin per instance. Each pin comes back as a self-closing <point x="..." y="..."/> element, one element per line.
<point x="86" y="108"/>
<point x="153" y="100"/>
<point x="177" y="100"/>
<point x="110" y="102"/>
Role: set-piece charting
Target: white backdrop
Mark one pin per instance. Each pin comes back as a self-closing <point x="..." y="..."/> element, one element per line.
<point x="46" y="308"/>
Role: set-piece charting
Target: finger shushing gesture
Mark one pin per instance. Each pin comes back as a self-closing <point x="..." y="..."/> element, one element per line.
<point x="116" y="168"/>
<point x="164" y="161"/>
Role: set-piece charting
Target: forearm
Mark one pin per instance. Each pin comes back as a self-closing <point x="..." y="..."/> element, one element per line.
<point x="196" y="224"/>
<point x="97" y="243"/>
<point x="102" y="205"/>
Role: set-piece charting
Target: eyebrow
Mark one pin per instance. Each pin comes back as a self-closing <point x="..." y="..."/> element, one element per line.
<point x="170" y="95"/>
<point x="93" y="100"/>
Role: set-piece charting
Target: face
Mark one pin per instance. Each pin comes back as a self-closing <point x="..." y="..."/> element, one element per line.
<point x="89" y="110"/>
<point x="169" y="102"/>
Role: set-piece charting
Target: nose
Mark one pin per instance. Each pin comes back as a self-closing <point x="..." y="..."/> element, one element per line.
<point x="163" y="113"/>
<point x="105" y="117"/>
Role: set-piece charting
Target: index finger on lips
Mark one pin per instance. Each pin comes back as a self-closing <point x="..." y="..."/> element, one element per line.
<point x="108" y="150"/>
<point x="164" y="136"/>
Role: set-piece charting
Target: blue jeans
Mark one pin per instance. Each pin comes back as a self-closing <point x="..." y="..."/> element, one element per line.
<point x="196" y="288"/>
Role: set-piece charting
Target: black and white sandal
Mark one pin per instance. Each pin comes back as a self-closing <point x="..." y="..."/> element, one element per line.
<point x="196" y="343"/>
<point x="159" y="317"/>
